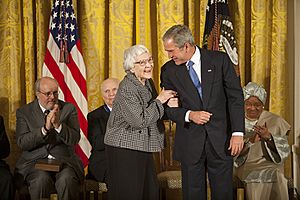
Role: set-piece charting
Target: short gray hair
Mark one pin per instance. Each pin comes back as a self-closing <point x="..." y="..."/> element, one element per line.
<point x="111" y="80"/>
<point x="131" y="54"/>
<point x="38" y="83"/>
<point x="180" y="34"/>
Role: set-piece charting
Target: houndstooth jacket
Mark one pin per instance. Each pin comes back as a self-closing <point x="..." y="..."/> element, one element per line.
<point x="135" y="117"/>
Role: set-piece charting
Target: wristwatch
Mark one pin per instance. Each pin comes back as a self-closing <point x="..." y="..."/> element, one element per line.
<point x="268" y="139"/>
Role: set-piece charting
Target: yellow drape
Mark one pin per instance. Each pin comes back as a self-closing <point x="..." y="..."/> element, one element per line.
<point x="107" y="27"/>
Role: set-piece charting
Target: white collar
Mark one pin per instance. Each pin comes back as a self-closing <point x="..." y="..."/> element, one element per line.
<point x="43" y="109"/>
<point x="108" y="107"/>
<point x="196" y="57"/>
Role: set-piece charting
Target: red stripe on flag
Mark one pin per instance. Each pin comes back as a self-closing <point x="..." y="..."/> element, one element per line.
<point x="57" y="74"/>
<point x="81" y="154"/>
<point x="79" y="79"/>
<point x="54" y="69"/>
<point x="71" y="77"/>
<point x="78" y="44"/>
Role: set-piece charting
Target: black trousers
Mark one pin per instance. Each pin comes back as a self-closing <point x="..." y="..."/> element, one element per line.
<point x="6" y="184"/>
<point x="43" y="183"/>
<point x="219" y="175"/>
<point x="131" y="175"/>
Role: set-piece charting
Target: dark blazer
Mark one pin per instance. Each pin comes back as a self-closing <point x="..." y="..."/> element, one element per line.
<point x="97" y="121"/>
<point x="34" y="145"/>
<point x="4" y="144"/>
<point x="222" y="96"/>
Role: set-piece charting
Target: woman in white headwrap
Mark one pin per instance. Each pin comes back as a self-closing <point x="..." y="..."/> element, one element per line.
<point x="260" y="164"/>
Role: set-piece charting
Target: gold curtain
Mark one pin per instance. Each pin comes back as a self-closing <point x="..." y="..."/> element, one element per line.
<point x="107" y="27"/>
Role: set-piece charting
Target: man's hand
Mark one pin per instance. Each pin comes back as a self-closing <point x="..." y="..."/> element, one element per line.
<point x="48" y="124"/>
<point x="55" y="116"/>
<point x="199" y="117"/>
<point x="236" y="145"/>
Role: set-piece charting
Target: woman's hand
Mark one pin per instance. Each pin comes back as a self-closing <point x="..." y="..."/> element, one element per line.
<point x="165" y="95"/>
<point x="254" y="138"/>
<point x="262" y="131"/>
<point x="173" y="102"/>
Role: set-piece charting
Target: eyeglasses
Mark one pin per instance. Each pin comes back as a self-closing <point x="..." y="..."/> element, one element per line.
<point x="144" y="62"/>
<point x="256" y="105"/>
<point x="48" y="94"/>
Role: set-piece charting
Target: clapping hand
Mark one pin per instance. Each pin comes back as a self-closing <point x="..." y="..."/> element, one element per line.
<point x="52" y="119"/>
<point x="55" y="117"/>
<point x="262" y="131"/>
<point x="254" y="138"/>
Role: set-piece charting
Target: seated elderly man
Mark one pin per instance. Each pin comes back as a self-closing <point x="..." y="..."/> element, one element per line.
<point x="260" y="164"/>
<point x="48" y="128"/>
<point x="97" y="121"/>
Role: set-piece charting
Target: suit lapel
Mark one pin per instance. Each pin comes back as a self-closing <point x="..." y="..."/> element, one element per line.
<point x="37" y="113"/>
<point x="207" y="77"/>
<point x="185" y="80"/>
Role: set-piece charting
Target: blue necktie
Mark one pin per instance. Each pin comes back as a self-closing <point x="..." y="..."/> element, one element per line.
<point x="194" y="77"/>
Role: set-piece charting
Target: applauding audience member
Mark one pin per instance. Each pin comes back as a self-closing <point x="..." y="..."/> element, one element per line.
<point x="48" y="128"/>
<point x="260" y="164"/>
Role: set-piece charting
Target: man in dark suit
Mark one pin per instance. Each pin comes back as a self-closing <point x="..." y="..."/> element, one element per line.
<point x="49" y="136"/>
<point x="6" y="178"/>
<point x="209" y="122"/>
<point x="97" y="121"/>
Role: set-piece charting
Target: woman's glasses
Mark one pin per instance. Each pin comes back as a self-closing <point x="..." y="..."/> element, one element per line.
<point x="144" y="62"/>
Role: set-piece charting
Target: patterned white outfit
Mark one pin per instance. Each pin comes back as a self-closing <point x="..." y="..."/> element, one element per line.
<point x="261" y="169"/>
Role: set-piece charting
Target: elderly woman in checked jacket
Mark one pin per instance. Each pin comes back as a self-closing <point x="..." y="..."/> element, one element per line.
<point x="134" y="130"/>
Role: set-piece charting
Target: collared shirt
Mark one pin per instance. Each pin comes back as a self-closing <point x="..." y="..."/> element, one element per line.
<point x="197" y="63"/>
<point x="197" y="67"/>
<point x="107" y="108"/>
<point x="44" y="133"/>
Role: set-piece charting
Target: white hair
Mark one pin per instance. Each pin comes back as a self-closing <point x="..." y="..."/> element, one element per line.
<point x="131" y="54"/>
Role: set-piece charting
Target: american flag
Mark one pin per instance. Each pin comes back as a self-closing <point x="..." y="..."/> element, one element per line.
<point x="64" y="62"/>
<point x="219" y="32"/>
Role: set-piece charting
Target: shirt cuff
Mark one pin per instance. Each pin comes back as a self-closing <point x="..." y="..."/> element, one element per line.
<point x="237" y="134"/>
<point x="44" y="132"/>
<point x="186" y="118"/>
<point x="59" y="128"/>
